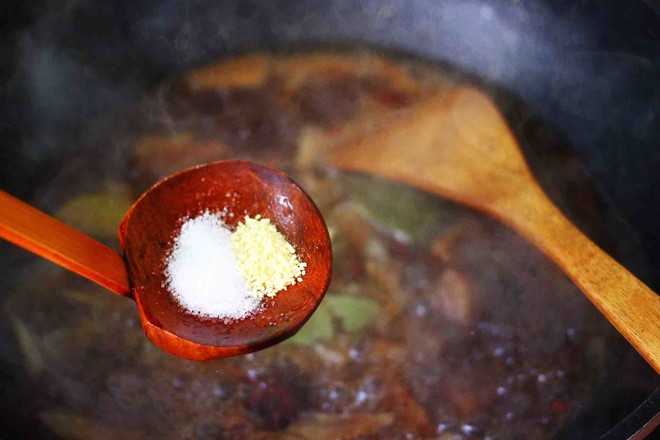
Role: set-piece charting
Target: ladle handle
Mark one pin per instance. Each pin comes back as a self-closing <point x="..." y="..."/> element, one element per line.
<point x="629" y="305"/>
<point x="51" y="239"/>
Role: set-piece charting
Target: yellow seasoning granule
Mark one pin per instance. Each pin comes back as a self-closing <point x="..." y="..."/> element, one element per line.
<point x="267" y="260"/>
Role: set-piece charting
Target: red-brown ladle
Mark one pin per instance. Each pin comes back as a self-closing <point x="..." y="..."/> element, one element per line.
<point x="146" y="233"/>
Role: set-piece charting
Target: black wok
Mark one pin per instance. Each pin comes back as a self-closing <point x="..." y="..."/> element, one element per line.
<point x="585" y="73"/>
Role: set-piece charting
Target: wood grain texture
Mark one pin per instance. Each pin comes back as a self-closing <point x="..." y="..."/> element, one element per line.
<point x="457" y="145"/>
<point x="49" y="238"/>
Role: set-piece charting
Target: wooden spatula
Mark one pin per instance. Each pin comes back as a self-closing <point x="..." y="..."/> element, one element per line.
<point x="457" y="145"/>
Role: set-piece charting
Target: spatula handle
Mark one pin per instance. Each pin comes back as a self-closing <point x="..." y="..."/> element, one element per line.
<point x="631" y="306"/>
<point x="51" y="239"/>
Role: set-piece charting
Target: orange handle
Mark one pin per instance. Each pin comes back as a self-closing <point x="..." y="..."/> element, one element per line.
<point x="51" y="239"/>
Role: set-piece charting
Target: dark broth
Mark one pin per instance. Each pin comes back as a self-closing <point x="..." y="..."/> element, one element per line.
<point x="439" y="322"/>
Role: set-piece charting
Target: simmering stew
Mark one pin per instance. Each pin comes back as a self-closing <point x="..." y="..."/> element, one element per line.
<point x="439" y="322"/>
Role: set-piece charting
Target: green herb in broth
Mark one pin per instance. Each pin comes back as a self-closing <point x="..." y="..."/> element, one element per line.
<point x="97" y="214"/>
<point x="395" y="206"/>
<point x="318" y="328"/>
<point x="355" y="313"/>
<point x="351" y="312"/>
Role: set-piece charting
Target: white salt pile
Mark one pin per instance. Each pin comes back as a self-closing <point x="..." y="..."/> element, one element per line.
<point x="202" y="271"/>
<point x="215" y="273"/>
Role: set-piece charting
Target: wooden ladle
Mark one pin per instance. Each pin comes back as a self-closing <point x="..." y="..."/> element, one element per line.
<point x="457" y="145"/>
<point x="146" y="233"/>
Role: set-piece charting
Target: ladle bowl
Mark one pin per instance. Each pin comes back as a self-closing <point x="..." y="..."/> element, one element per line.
<point x="238" y="188"/>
